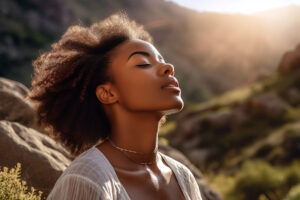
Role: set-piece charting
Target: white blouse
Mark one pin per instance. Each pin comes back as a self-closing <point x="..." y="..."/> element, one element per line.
<point x="90" y="176"/>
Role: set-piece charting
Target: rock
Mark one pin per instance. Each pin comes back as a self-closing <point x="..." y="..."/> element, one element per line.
<point x="199" y="156"/>
<point x="13" y="105"/>
<point x="14" y="87"/>
<point x="42" y="160"/>
<point x="195" y="132"/>
<point x="223" y="121"/>
<point x="268" y="105"/>
<point x="206" y="191"/>
<point x="190" y="143"/>
<point x="292" y="96"/>
<point x="291" y="146"/>
<point x="184" y="128"/>
<point x="192" y="127"/>
<point x="280" y="147"/>
<point x="290" y="61"/>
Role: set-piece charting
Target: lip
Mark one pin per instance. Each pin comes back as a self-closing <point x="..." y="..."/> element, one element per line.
<point x="172" y="87"/>
<point x="171" y="83"/>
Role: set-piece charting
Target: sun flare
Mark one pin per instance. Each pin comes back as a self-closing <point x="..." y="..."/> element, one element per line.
<point x="235" y="6"/>
<point x="252" y="6"/>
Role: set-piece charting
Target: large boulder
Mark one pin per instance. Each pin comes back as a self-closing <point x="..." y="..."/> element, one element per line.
<point x="42" y="159"/>
<point x="267" y="104"/>
<point x="290" y="61"/>
<point x="13" y="104"/>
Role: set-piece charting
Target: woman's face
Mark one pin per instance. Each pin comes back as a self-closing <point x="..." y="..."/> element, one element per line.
<point x="139" y="73"/>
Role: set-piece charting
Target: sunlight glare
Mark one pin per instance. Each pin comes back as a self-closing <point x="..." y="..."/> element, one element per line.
<point x="248" y="7"/>
<point x="235" y="6"/>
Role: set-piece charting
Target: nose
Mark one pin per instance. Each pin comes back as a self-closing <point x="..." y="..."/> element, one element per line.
<point x="167" y="69"/>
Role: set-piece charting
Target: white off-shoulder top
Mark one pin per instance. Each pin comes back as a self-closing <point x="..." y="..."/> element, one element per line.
<point x="90" y="176"/>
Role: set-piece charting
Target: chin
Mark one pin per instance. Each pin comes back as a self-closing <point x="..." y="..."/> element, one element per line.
<point x="175" y="109"/>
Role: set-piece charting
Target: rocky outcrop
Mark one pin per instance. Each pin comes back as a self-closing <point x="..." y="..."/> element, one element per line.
<point x="218" y="131"/>
<point x="268" y="105"/>
<point x="13" y="106"/>
<point x="42" y="160"/>
<point x="290" y="61"/>
<point x="279" y="148"/>
<point x="210" y="136"/>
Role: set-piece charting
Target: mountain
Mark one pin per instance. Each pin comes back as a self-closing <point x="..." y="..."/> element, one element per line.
<point x="259" y="121"/>
<point x="247" y="139"/>
<point x="212" y="52"/>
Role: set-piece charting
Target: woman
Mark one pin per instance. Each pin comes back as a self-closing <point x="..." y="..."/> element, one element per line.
<point x="103" y="92"/>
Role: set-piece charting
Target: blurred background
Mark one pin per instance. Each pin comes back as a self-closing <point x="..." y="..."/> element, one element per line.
<point x="238" y="64"/>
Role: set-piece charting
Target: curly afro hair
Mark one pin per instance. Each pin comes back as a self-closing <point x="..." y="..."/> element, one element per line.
<point x="65" y="79"/>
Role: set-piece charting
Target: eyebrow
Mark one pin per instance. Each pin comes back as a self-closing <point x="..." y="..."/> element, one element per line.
<point x="139" y="52"/>
<point x="142" y="53"/>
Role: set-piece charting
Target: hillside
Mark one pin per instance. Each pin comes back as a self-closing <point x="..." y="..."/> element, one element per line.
<point x="248" y="138"/>
<point x="212" y="52"/>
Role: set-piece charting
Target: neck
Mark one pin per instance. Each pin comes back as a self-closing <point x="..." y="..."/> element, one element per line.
<point x="136" y="132"/>
<point x="139" y="133"/>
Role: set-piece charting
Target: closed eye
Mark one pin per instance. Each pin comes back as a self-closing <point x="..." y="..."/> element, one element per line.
<point x="143" y="65"/>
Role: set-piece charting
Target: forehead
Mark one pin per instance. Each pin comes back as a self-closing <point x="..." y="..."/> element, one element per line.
<point x="122" y="51"/>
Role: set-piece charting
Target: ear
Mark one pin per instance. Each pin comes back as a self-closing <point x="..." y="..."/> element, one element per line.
<point x="106" y="93"/>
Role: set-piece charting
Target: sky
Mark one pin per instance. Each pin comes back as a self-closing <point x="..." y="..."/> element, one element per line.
<point x="235" y="6"/>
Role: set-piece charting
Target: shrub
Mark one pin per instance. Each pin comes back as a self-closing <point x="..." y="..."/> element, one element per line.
<point x="292" y="174"/>
<point x="257" y="178"/>
<point x="13" y="188"/>
<point x="294" y="193"/>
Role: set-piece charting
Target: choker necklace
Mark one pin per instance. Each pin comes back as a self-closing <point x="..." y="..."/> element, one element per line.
<point x="131" y="151"/>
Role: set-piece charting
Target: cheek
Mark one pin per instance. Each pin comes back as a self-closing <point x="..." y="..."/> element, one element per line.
<point x="142" y="91"/>
<point x="137" y="90"/>
<point x="149" y="96"/>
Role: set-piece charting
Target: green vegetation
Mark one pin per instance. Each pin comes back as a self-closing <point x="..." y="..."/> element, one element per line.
<point x="258" y="180"/>
<point x="251" y="139"/>
<point x="13" y="188"/>
<point x="233" y="123"/>
<point x="228" y="98"/>
<point x="233" y="128"/>
<point x="294" y="193"/>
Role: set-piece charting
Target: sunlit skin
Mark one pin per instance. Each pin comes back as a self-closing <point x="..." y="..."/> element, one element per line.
<point x="134" y="103"/>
